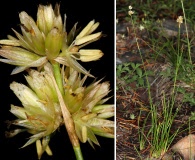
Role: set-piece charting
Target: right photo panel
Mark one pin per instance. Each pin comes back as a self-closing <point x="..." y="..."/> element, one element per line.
<point x="155" y="80"/>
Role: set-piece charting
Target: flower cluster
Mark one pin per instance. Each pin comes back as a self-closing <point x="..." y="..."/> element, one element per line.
<point x="41" y="114"/>
<point x="130" y="12"/>
<point x="180" y="20"/>
<point x="56" y="95"/>
<point x="47" y="40"/>
<point x="86" y="104"/>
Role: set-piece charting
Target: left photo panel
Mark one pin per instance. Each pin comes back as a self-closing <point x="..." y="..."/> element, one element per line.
<point x="57" y="82"/>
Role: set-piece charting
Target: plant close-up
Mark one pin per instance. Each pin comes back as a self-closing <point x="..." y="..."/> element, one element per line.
<point x="56" y="91"/>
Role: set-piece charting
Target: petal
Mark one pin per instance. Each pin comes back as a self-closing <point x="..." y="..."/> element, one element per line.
<point x="32" y="32"/>
<point x="93" y="28"/>
<point x="106" y="115"/>
<point x="104" y="111"/>
<point x="49" y="16"/>
<point x="103" y="131"/>
<point x="84" y="134"/>
<point x="88" y="116"/>
<point x="41" y="23"/>
<point x="24" y="41"/>
<point x="103" y="108"/>
<point x="36" y="63"/>
<point x="88" y="38"/>
<point x="86" y="29"/>
<point x="94" y="96"/>
<point x="100" y="122"/>
<point x="92" y="136"/>
<point x="30" y="24"/>
<point x="78" y="131"/>
<point x="9" y="42"/>
<point x="18" y="112"/>
<point x="26" y="95"/>
<point x="103" y="90"/>
<point x="41" y="83"/>
<point x="14" y="132"/>
<point x="20" y="55"/>
<point x="71" y="35"/>
<point x="39" y="148"/>
<point x="30" y="141"/>
<point x="58" y="19"/>
<point x="34" y="41"/>
<point x="69" y="61"/>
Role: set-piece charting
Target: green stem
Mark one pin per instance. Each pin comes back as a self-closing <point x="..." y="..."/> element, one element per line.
<point x="179" y="56"/>
<point x="57" y="75"/>
<point x="147" y="81"/>
<point x="69" y="124"/>
<point x="189" y="48"/>
<point x="78" y="153"/>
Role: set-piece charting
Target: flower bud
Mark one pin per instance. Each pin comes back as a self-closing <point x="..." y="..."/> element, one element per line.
<point x="45" y="18"/>
<point x="53" y="43"/>
<point x="87" y="55"/>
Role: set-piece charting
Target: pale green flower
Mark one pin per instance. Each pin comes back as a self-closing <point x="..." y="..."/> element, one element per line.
<point x="47" y="40"/>
<point x="71" y="50"/>
<point x="130" y="12"/>
<point x="86" y="104"/>
<point x="180" y="20"/>
<point x="141" y="27"/>
<point x="130" y="7"/>
<point x="41" y="114"/>
<point x="87" y="55"/>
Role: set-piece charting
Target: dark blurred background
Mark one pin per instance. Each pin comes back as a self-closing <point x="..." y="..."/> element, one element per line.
<point x="76" y="11"/>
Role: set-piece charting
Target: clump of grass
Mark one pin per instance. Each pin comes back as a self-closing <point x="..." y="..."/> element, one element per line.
<point x="160" y="131"/>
